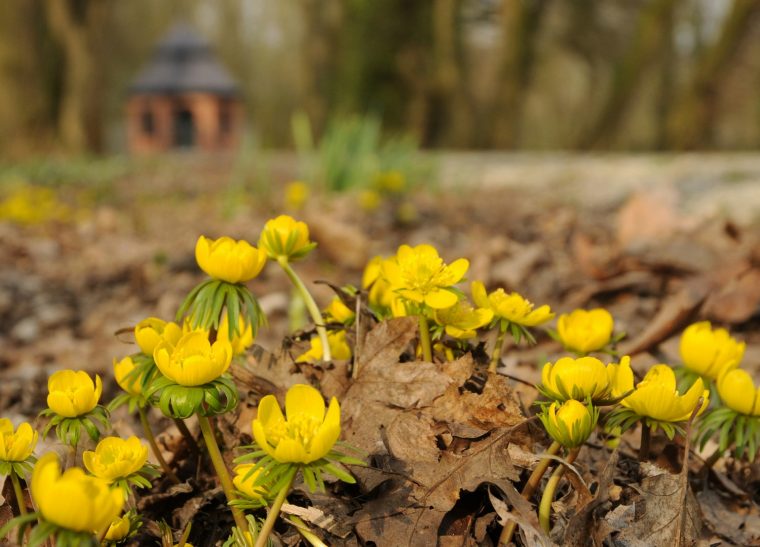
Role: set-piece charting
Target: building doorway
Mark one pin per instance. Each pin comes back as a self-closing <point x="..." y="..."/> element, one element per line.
<point x="184" y="129"/>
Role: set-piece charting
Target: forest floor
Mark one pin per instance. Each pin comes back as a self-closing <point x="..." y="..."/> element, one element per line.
<point x="658" y="241"/>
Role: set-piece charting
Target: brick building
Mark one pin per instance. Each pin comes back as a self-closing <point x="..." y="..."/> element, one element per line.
<point x="183" y="98"/>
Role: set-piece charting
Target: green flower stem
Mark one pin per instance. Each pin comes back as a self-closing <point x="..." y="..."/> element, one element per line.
<point x="274" y="512"/>
<point x="311" y="305"/>
<point x="496" y="355"/>
<point x="307" y="534"/>
<point x="529" y="489"/>
<point x="154" y="446"/>
<point x="19" y="493"/>
<point x="221" y="470"/>
<point x="182" y="427"/>
<point x="545" y="509"/>
<point x="646" y="433"/>
<point x="427" y="351"/>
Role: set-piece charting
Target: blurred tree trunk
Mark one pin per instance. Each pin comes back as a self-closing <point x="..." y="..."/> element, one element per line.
<point x="691" y="121"/>
<point x="521" y="22"/>
<point x="652" y="34"/>
<point x="71" y="22"/>
<point x="322" y="20"/>
<point x="450" y="112"/>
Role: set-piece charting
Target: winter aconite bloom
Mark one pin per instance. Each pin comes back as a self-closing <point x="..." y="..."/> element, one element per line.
<point x="709" y="352"/>
<point x="122" y="369"/>
<point x="305" y="434"/>
<point x="339" y="348"/>
<point x="228" y="260"/>
<point x="285" y="237"/>
<point x="738" y="392"/>
<point x="240" y="341"/>
<point x="462" y="320"/>
<point x="338" y="312"/>
<point x="420" y="276"/>
<point x="245" y="481"/>
<point x="510" y="307"/>
<point x="118" y="529"/>
<point x="73" y="500"/>
<point x="16" y="446"/>
<point x="656" y="397"/>
<point x="579" y="379"/>
<point x="73" y="393"/>
<point x="148" y="333"/>
<point x="584" y="331"/>
<point x="193" y="361"/>
<point x="296" y="195"/>
<point x="115" y="458"/>
<point x="569" y="424"/>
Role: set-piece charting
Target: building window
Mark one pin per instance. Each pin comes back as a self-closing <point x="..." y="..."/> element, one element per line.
<point x="146" y="122"/>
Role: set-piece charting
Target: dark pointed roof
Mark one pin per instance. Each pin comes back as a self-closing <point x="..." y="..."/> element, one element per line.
<point x="183" y="61"/>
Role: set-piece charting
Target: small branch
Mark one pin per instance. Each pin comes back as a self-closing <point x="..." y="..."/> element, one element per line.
<point x="646" y="433"/>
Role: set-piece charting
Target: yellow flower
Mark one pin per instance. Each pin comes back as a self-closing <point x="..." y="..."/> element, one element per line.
<point x="584" y="331"/>
<point x="391" y="181"/>
<point x="621" y="377"/>
<point x="73" y="393"/>
<point x="73" y="500"/>
<point x="305" y="434"/>
<point x="578" y="379"/>
<point x="656" y="397"/>
<point x="570" y="424"/>
<point x="462" y="320"/>
<point x="738" y="392"/>
<point x="381" y="293"/>
<point x="510" y="307"/>
<point x="285" y="237"/>
<point x="240" y="341"/>
<point x="369" y="200"/>
<point x="337" y="311"/>
<point x="246" y="485"/>
<point x="16" y="446"/>
<point x="339" y="348"/>
<point x="115" y="458"/>
<point x="419" y="275"/>
<point x="296" y="194"/>
<point x="121" y="370"/>
<point x="193" y="361"/>
<point x="709" y="352"/>
<point x="229" y="260"/>
<point x="119" y="529"/>
<point x="148" y="333"/>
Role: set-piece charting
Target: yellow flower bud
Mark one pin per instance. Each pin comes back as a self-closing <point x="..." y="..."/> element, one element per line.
<point x="240" y="341"/>
<point x="656" y="397"/>
<point x="392" y="182"/>
<point x="121" y="369"/>
<point x="621" y="377"/>
<point x="369" y="200"/>
<point x="570" y="424"/>
<point x="245" y="482"/>
<point x="119" y="529"/>
<point x="285" y="237"/>
<point x="16" y="446"/>
<point x="337" y="311"/>
<point x="738" y="392"/>
<point x="148" y="334"/>
<point x="510" y="307"/>
<point x="461" y="320"/>
<point x="419" y="275"/>
<point x="582" y="378"/>
<point x="584" y="331"/>
<point x="296" y="195"/>
<point x="339" y="348"/>
<point x="709" y="352"/>
<point x="115" y="458"/>
<point x="193" y="361"/>
<point x="305" y="433"/>
<point x="229" y="260"/>
<point x="73" y="500"/>
<point x="73" y="393"/>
